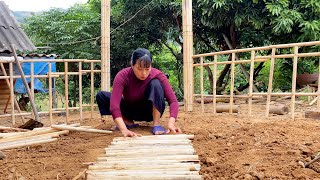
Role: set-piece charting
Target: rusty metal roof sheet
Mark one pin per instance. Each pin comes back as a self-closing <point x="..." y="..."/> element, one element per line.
<point x="11" y="32"/>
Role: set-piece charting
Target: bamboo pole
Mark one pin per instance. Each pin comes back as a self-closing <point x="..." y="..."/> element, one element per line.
<point x="318" y="91"/>
<point x="142" y="152"/>
<point x="169" y="167"/>
<point x="312" y="43"/>
<point x="80" y="91"/>
<point x="52" y="135"/>
<point x="92" y="89"/>
<point x="294" y="80"/>
<point x="62" y="127"/>
<point x="28" y="143"/>
<point x="12" y="93"/>
<point x="270" y="85"/>
<point x="147" y="147"/>
<point x="253" y="54"/>
<point x="32" y="79"/>
<point x="50" y="93"/>
<point x="66" y="91"/>
<point x="142" y="172"/>
<point x="168" y="157"/>
<point x="105" y="45"/>
<point x="187" y="53"/>
<point x="167" y="136"/>
<point x="201" y="84"/>
<point x="215" y="84"/>
<point x="232" y="82"/>
<point x="144" y="177"/>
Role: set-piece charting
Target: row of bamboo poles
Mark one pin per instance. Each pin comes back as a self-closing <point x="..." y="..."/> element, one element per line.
<point x="255" y="58"/>
<point x="148" y="157"/>
<point x="50" y="75"/>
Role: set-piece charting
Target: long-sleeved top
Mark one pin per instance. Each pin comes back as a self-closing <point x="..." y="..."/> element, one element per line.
<point x="132" y="89"/>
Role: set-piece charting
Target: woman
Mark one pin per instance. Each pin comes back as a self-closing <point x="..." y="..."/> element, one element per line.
<point x="139" y="94"/>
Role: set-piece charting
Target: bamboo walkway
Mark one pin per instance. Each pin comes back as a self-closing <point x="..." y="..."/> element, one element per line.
<point x="158" y="157"/>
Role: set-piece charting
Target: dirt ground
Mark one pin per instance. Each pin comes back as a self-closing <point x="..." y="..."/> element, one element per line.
<point x="229" y="146"/>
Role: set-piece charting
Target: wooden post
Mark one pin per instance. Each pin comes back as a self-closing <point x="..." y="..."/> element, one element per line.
<point x="32" y="79"/>
<point x="92" y="89"/>
<point x="187" y="54"/>
<point x="66" y="91"/>
<point x="253" y="54"/>
<point x="50" y="92"/>
<point x="201" y="84"/>
<point x="80" y="90"/>
<point x="105" y="45"/>
<point x="318" y="92"/>
<point x="215" y="84"/>
<point x="233" y="57"/>
<point x="273" y="53"/>
<point x="294" y="80"/>
<point x="12" y="93"/>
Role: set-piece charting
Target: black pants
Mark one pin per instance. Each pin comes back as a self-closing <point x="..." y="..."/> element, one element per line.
<point x="140" y="111"/>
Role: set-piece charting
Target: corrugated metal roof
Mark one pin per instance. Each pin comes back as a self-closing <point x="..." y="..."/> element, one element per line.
<point x="11" y="32"/>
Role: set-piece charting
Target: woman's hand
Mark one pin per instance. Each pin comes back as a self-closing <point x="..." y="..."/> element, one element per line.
<point x="172" y="128"/>
<point x="128" y="133"/>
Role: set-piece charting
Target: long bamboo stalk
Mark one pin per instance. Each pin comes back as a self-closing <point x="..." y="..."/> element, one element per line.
<point x="253" y="54"/>
<point x="294" y="80"/>
<point x="61" y="127"/>
<point x="144" y="177"/>
<point x="50" y="92"/>
<point x="23" y="144"/>
<point x="66" y="91"/>
<point x="12" y="93"/>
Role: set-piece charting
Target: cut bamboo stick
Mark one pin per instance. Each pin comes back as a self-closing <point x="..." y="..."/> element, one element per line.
<point x="154" y="150"/>
<point x="144" y="177"/>
<point x="28" y="143"/>
<point x="143" y="172"/>
<point x="177" y="136"/>
<point x="167" y="157"/>
<point x="13" y="129"/>
<point x="154" y="147"/>
<point x="61" y="127"/>
<point x="53" y="134"/>
<point x="184" y="167"/>
<point x="150" y="154"/>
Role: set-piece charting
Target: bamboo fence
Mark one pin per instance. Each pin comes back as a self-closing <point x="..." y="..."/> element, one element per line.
<point x="255" y="57"/>
<point x="91" y="71"/>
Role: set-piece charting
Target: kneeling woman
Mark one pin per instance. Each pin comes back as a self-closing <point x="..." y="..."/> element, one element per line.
<point x="139" y="94"/>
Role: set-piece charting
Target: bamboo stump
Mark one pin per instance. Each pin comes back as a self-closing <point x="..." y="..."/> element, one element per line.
<point x="279" y="109"/>
<point x="148" y="157"/>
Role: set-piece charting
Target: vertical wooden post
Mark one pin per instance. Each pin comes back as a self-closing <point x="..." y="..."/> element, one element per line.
<point x="92" y="88"/>
<point x="32" y="83"/>
<point x="66" y="90"/>
<point x="12" y="93"/>
<point x="80" y="90"/>
<point x="318" y="93"/>
<point x="270" y="85"/>
<point x="32" y="79"/>
<point x="233" y="57"/>
<point x="187" y="54"/>
<point x="105" y="45"/>
<point x="215" y="84"/>
<point x="294" y="80"/>
<point x="253" y="54"/>
<point x="50" y="92"/>
<point x="201" y="84"/>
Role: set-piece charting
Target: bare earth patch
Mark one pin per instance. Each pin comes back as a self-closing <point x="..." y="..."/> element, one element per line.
<point x="229" y="146"/>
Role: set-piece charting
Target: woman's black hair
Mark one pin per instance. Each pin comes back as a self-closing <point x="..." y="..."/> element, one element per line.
<point x="143" y="56"/>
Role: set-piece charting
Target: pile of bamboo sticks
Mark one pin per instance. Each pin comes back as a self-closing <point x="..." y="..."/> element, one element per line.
<point x="41" y="135"/>
<point x="148" y="157"/>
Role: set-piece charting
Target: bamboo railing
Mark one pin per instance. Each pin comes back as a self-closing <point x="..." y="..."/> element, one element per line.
<point x="272" y="58"/>
<point x="64" y="75"/>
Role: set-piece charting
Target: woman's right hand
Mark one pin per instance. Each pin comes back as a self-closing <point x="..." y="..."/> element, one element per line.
<point x="128" y="133"/>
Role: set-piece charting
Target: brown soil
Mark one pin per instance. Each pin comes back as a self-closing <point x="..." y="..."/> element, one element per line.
<point x="229" y="146"/>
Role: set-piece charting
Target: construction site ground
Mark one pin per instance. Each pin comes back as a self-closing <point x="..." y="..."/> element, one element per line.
<point x="230" y="146"/>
